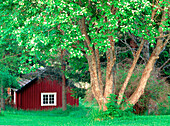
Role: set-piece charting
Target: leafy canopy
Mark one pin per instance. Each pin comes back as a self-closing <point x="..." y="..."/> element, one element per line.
<point x="42" y="27"/>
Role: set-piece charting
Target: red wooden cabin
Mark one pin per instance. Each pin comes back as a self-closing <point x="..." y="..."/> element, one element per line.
<point x="41" y="93"/>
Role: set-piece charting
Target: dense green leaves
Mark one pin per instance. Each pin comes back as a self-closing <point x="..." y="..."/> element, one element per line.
<point x="40" y="27"/>
<point x="6" y="79"/>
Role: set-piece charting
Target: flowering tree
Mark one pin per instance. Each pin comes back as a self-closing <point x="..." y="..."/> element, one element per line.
<point x="87" y="28"/>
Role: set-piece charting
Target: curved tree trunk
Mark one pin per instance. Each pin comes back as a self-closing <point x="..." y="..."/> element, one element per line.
<point x="136" y="57"/>
<point x="146" y="73"/>
<point x="161" y="43"/>
<point x="142" y="83"/>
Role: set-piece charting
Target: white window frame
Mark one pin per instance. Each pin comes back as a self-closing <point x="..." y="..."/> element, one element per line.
<point x="49" y="93"/>
<point x="14" y="97"/>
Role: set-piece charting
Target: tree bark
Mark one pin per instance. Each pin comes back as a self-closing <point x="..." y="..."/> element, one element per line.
<point x="146" y="73"/>
<point x="95" y="71"/>
<point x="2" y="98"/>
<point x="142" y="83"/>
<point x="99" y="70"/>
<point x="136" y="57"/>
<point x="95" y="82"/>
<point x="150" y="64"/>
<point x="109" y="76"/>
<point x="111" y="59"/>
<point x="64" y="98"/>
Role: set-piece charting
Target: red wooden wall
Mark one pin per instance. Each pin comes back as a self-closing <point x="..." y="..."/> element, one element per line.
<point x="29" y="97"/>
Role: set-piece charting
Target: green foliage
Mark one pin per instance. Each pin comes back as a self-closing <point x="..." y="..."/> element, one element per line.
<point x="164" y="109"/>
<point x="78" y="69"/>
<point x="164" y="57"/>
<point x="39" y="28"/>
<point x="113" y="110"/>
<point x="6" y="79"/>
<point x="78" y="92"/>
<point x="155" y="94"/>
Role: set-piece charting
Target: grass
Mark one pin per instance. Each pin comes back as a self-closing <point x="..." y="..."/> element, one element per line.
<point x="75" y="117"/>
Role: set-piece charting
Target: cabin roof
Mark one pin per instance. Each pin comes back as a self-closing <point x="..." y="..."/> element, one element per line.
<point x="27" y="78"/>
<point x="51" y="73"/>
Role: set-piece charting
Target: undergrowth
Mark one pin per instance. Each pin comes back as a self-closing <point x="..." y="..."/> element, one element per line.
<point x="113" y="111"/>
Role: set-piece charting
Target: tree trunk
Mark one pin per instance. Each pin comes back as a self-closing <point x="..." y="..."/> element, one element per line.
<point x="145" y="76"/>
<point x="64" y="98"/>
<point x="149" y="66"/>
<point x="136" y="57"/>
<point x="97" y="92"/>
<point x="99" y="72"/>
<point x="95" y="69"/>
<point x="2" y="98"/>
<point x="111" y="59"/>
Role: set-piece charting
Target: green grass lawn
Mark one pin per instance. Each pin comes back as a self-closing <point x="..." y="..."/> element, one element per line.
<point x="57" y="118"/>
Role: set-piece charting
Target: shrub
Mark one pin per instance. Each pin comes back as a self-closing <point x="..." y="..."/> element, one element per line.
<point x="113" y="110"/>
<point x="155" y="96"/>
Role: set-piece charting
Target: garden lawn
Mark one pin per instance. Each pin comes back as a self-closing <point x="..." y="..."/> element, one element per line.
<point x="30" y="118"/>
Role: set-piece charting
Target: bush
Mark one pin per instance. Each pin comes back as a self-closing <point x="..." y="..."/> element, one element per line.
<point x="113" y="110"/>
<point x="155" y="97"/>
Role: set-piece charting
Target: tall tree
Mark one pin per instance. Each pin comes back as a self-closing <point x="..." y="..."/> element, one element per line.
<point x="7" y="80"/>
<point x="91" y="29"/>
<point x="64" y="97"/>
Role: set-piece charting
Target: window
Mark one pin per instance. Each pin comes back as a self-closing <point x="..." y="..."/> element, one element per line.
<point x="48" y="99"/>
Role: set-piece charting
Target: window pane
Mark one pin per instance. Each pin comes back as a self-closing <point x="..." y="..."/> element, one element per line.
<point x="45" y="99"/>
<point x="51" y="99"/>
<point x="48" y="99"/>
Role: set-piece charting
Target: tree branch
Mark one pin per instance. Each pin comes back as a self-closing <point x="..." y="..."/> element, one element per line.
<point x="162" y="36"/>
<point x="163" y="65"/>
